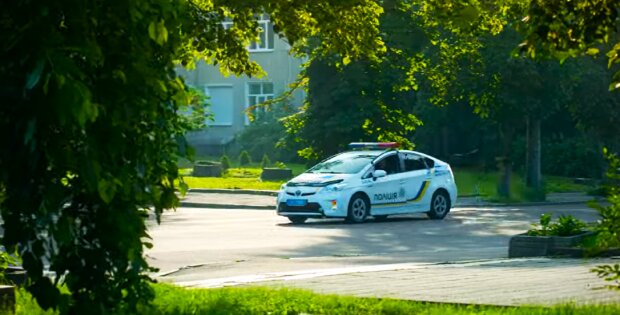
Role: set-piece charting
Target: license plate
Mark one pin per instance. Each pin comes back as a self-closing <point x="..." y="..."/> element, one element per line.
<point x="296" y="202"/>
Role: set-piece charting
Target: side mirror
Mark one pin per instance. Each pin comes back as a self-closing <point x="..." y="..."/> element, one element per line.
<point x="378" y="173"/>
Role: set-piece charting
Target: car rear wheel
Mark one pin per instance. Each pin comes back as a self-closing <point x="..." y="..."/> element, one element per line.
<point x="297" y="219"/>
<point x="359" y="207"/>
<point x="440" y="205"/>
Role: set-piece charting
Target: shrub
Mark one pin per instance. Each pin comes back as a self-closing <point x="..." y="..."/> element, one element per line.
<point x="609" y="227"/>
<point x="225" y="161"/>
<point x="566" y="225"/>
<point x="280" y="165"/>
<point x="267" y="135"/>
<point x="244" y="158"/>
<point x="265" y="162"/>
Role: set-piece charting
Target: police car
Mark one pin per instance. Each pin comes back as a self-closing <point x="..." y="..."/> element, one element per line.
<point x="373" y="179"/>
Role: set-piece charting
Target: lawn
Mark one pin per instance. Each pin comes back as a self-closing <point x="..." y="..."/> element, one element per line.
<point x="470" y="182"/>
<point x="175" y="300"/>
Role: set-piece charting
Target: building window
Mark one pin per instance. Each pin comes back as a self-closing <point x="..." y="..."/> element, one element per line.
<point x="258" y="92"/>
<point x="221" y="100"/>
<point x="265" y="36"/>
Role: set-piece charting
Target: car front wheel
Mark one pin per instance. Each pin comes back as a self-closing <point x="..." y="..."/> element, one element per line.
<point x="440" y="205"/>
<point x="359" y="207"/>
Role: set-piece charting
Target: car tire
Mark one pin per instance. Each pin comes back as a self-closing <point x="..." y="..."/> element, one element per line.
<point x="440" y="205"/>
<point x="297" y="219"/>
<point x="380" y="218"/>
<point x="359" y="207"/>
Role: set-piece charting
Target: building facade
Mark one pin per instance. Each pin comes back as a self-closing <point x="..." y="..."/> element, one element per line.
<point x="230" y="96"/>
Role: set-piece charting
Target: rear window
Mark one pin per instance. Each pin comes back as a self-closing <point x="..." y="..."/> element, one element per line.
<point x="414" y="162"/>
<point x="345" y="163"/>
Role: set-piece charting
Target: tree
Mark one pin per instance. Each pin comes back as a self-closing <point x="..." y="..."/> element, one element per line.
<point x="517" y="94"/>
<point x="577" y="28"/>
<point x="370" y="101"/>
<point x="570" y="29"/>
<point x="92" y="130"/>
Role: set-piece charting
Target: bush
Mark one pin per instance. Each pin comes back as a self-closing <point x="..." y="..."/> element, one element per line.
<point x="225" y="161"/>
<point x="566" y="225"/>
<point x="265" y="162"/>
<point x="609" y="227"/>
<point x="244" y="158"/>
<point x="563" y="156"/>
<point x="267" y="135"/>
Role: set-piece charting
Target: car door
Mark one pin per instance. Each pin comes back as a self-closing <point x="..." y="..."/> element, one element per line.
<point x="386" y="193"/>
<point x="416" y="179"/>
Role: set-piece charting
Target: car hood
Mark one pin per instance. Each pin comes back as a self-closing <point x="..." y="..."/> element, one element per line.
<point x="317" y="179"/>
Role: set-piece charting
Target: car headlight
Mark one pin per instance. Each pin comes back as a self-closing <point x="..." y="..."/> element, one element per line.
<point x="333" y="188"/>
<point x="283" y="186"/>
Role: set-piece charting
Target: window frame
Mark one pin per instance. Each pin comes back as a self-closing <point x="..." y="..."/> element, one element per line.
<point x="264" y="23"/>
<point x="232" y="118"/>
<point x="265" y="96"/>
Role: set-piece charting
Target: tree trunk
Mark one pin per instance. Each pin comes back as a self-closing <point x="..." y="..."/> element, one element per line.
<point x="533" y="178"/>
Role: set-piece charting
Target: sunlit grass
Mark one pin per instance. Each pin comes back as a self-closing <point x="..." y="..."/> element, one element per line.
<point x="470" y="182"/>
<point x="255" y="300"/>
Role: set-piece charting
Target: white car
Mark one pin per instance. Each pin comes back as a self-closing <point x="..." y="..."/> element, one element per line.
<point x="376" y="181"/>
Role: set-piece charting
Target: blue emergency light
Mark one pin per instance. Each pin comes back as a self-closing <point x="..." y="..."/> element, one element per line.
<point x="373" y="145"/>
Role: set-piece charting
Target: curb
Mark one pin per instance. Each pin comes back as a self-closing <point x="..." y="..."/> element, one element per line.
<point x="234" y="191"/>
<point x="527" y="204"/>
<point x="224" y="206"/>
<point x="275" y="193"/>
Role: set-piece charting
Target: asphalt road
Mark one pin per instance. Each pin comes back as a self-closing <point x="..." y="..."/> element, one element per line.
<point x="195" y="244"/>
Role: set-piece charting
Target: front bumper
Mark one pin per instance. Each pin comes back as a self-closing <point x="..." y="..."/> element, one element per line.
<point x="318" y="205"/>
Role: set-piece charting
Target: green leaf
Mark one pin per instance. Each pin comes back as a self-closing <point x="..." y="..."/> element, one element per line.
<point x="158" y="32"/>
<point x="106" y="190"/>
<point x="35" y="75"/>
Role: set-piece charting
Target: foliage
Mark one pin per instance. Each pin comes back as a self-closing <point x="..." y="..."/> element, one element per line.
<point x="564" y="30"/>
<point x="609" y="226"/>
<point x="609" y="273"/>
<point x="370" y="101"/>
<point x="7" y="259"/>
<point x="92" y="124"/>
<point x="566" y="225"/>
<point x="266" y="133"/>
<point x="564" y="154"/>
<point x="256" y="300"/>
<point x="280" y="165"/>
<point x="244" y="158"/>
<point x="265" y="162"/>
<point x="225" y="161"/>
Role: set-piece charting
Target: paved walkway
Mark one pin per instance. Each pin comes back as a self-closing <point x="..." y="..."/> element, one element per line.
<point x="525" y="281"/>
<point x="232" y="199"/>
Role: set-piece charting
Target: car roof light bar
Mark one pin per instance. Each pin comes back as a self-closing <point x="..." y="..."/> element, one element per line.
<point x="373" y="145"/>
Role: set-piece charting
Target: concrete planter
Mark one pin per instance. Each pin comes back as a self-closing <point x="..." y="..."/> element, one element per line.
<point x="523" y="245"/>
<point x="16" y="275"/>
<point x="207" y="169"/>
<point x="276" y="174"/>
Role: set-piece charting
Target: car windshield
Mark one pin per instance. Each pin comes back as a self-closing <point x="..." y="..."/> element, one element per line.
<point x="345" y="163"/>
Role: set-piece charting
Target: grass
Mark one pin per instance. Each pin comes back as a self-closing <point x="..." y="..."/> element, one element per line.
<point x="175" y="300"/>
<point x="470" y="182"/>
<point x="247" y="177"/>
